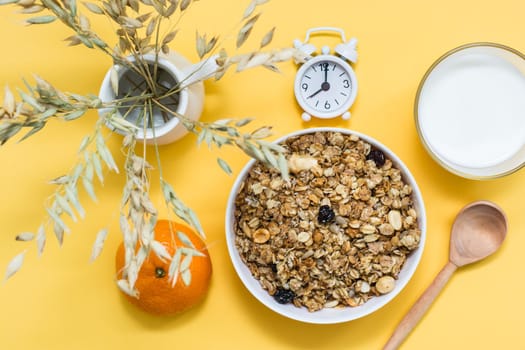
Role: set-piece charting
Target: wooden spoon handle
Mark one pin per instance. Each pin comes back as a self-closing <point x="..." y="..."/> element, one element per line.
<point x="420" y="307"/>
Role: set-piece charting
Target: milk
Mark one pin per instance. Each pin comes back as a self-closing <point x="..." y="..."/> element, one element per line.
<point x="471" y="110"/>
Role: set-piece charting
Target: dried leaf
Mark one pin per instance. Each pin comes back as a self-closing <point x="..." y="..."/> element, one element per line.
<point x="184" y="4"/>
<point x="14" y="265"/>
<point x="245" y="31"/>
<point x="98" y="167"/>
<point x="72" y="196"/>
<point x="64" y="205"/>
<point x="171" y="10"/>
<point x="72" y="4"/>
<point x="267" y="38"/>
<point x="84" y="23"/>
<point x="73" y="40"/>
<point x="161" y="251"/>
<point x="99" y="244"/>
<point x="185" y="239"/>
<point x="173" y="271"/>
<point x="124" y="287"/>
<point x="283" y="167"/>
<point x="30" y="100"/>
<point x="41" y="20"/>
<point x="151" y="26"/>
<point x="186" y="262"/>
<point x="9" y="101"/>
<point x="32" y="9"/>
<point x="84" y="144"/>
<point x="132" y="272"/>
<point x="94" y="8"/>
<point x="114" y="79"/>
<point x="262" y="132"/>
<point x="224" y="166"/>
<point x="57" y="220"/>
<point x="270" y="157"/>
<point x="130" y="23"/>
<point x="41" y="239"/>
<point x="168" y="38"/>
<point x="148" y="206"/>
<point x="75" y="115"/>
<point x="143" y="18"/>
<point x="25" y="237"/>
<point x="59" y="233"/>
<point x="186" y="277"/>
<point x="249" y="10"/>
<point x="201" y="45"/>
<point x="88" y="186"/>
<point x="134" y="4"/>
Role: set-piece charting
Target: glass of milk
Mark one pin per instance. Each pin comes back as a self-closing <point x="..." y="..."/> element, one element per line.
<point x="470" y="110"/>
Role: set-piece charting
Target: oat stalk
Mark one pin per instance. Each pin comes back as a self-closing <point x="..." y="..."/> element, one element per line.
<point x="141" y="27"/>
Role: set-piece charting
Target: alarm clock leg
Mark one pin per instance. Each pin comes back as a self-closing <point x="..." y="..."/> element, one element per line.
<point x="306" y="117"/>
<point x="346" y="115"/>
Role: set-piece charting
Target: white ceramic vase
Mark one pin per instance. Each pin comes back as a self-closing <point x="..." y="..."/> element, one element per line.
<point x="172" y="69"/>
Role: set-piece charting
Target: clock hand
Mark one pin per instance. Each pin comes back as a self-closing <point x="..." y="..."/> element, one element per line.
<point x="324" y="87"/>
<point x="326" y="75"/>
<point x="315" y="93"/>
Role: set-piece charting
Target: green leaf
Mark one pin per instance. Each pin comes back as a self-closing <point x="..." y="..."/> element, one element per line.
<point x="73" y="7"/>
<point x="98" y="167"/>
<point x="224" y="166"/>
<point x="41" y="20"/>
<point x="64" y="205"/>
<point x="33" y="131"/>
<point x="283" y="167"/>
<point x="58" y="221"/>
<point x="84" y="144"/>
<point x="94" y="8"/>
<point x="88" y="186"/>
<point x="243" y="122"/>
<point x="14" y="265"/>
<point x="48" y="114"/>
<point x="72" y="196"/>
<point x="74" y="115"/>
<point x="31" y="101"/>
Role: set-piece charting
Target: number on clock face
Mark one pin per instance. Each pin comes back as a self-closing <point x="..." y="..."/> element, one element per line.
<point x="326" y="86"/>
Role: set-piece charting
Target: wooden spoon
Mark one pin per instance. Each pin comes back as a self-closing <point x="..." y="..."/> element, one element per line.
<point x="478" y="231"/>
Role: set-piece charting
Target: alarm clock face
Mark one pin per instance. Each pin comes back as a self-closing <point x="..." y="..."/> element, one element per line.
<point x="325" y="86"/>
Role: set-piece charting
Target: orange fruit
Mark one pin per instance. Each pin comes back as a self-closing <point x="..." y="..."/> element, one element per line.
<point x="156" y="294"/>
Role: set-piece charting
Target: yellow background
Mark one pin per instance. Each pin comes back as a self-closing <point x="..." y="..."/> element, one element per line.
<point x="61" y="301"/>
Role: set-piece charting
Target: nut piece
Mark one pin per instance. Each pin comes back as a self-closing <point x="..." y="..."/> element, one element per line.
<point x="297" y="163"/>
<point x="303" y="236"/>
<point x="261" y="236"/>
<point x="394" y="218"/>
<point x="385" y="284"/>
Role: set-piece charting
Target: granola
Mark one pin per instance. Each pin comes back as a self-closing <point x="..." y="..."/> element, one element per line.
<point x="337" y="234"/>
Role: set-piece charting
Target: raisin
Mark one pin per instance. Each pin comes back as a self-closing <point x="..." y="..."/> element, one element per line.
<point x="326" y="214"/>
<point x="160" y="272"/>
<point x="377" y="156"/>
<point x="284" y="296"/>
<point x="273" y="267"/>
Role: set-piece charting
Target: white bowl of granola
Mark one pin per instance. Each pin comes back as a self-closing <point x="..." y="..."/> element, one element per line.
<point x="336" y="243"/>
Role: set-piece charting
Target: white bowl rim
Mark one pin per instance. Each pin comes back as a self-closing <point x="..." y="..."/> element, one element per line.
<point x="336" y="315"/>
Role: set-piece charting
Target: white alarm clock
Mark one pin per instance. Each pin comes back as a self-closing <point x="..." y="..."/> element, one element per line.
<point x="326" y="85"/>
